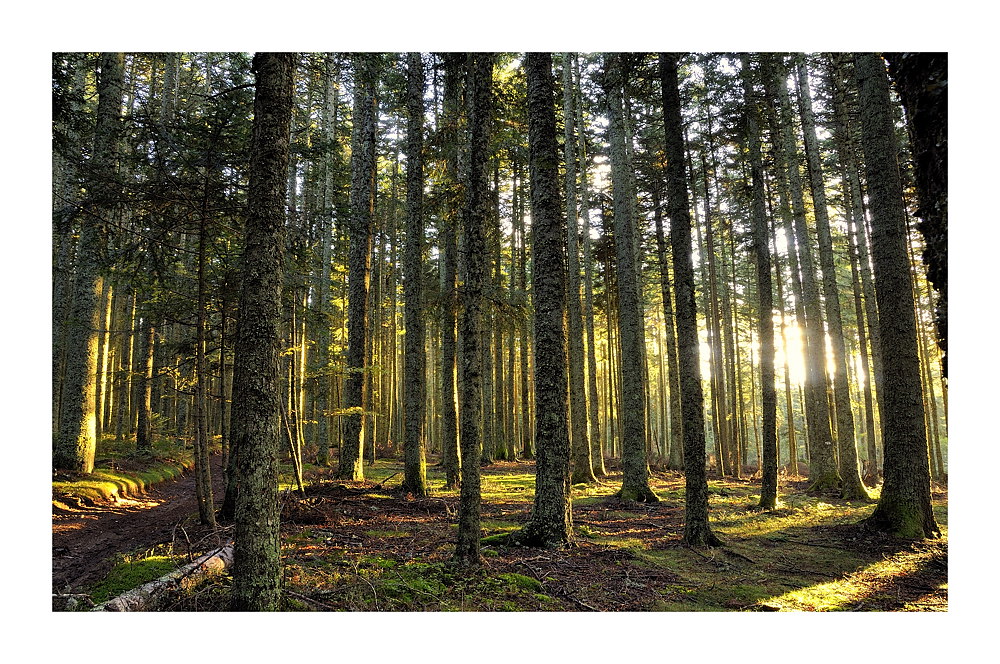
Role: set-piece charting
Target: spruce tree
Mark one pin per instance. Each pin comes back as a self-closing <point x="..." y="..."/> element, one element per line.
<point x="904" y="506"/>
<point x="257" y="559"/>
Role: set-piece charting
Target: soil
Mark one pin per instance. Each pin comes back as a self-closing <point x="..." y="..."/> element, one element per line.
<point x="86" y="540"/>
<point x="354" y="527"/>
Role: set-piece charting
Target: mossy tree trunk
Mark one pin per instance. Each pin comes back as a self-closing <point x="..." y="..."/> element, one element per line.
<point x="551" y="522"/>
<point x="635" y="472"/>
<point x="415" y="473"/>
<point x="359" y="264"/>
<point x="904" y="507"/>
<point x="697" y="531"/>
<point x="765" y="307"/>
<point x="255" y="430"/>
<point x="480" y="90"/>
<point x="76" y="442"/>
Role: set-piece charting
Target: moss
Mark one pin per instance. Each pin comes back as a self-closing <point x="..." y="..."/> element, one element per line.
<point x="521" y="581"/>
<point x="106" y="485"/>
<point x="131" y="573"/>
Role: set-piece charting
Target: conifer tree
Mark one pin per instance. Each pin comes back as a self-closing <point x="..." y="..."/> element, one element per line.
<point x="697" y="531"/>
<point x="904" y="506"/>
<point x="257" y="561"/>
<point x="551" y="522"/>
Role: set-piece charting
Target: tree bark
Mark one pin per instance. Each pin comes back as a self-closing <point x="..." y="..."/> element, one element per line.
<point x="904" y="507"/>
<point x="635" y="473"/>
<point x="922" y="83"/>
<point x="257" y="560"/>
<point x="473" y="305"/>
<point x="697" y="531"/>
<point x="77" y="439"/>
<point x="359" y="264"/>
<point x="415" y="465"/>
<point x="551" y="523"/>
<point x="765" y="329"/>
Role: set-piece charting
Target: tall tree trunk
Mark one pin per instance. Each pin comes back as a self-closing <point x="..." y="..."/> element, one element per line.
<point x="551" y="522"/>
<point x="823" y="471"/>
<point x="480" y="87"/>
<point x="449" y="263"/>
<point x="257" y="560"/>
<point x="697" y="531"/>
<point x="851" y="486"/>
<point x="415" y="472"/>
<point x="635" y="472"/>
<point x="595" y="434"/>
<point x="765" y="329"/>
<point x="362" y="205"/>
<point x="77" y="440"/>
<point x="904" y="507"/>
<point x="582" y="461"/>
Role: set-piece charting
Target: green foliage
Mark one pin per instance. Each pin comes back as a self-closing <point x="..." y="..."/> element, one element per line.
<point x="132" y="571"/>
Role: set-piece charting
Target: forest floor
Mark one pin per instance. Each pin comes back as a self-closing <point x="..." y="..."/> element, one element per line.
<point x="364" y="546"/>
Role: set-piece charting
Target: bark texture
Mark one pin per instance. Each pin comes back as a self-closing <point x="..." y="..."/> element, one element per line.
<point x="635" y="473"/>
<point x="255" y="412"/>
<point x="76" y="442"/>
<point x="922" y="83"/>
<point x="904" y="507"/>
<point x="474" y="251"/>
<point x="551" y="522"/>
<point x="697" y="531"/>
<point x="414" y="361"/>
<point x="359" y="262"/>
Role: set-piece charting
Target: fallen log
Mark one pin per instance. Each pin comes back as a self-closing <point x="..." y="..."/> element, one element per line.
<point x="150" y="596"/>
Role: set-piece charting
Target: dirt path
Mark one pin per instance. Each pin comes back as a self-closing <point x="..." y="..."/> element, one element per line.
<point x="85" y="541"/>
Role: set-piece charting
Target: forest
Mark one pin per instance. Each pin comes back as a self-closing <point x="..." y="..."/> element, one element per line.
<point x="467" y="331"/>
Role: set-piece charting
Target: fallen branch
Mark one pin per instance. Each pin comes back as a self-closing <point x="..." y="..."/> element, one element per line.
<point x="149" y="596"/>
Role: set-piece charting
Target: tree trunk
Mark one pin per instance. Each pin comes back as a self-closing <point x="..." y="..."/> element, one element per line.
<point x="823" y="472"/>
<point x="851" y="486"/>
<point x="77" y="440"/>
<point x="904" y="507"/>
<point x="551" y="523"/>
<point x="257" y="560"/>
<point x="922" y="84"/>
<point x="635" y="473"/>
<point x="480" y="67"/>
<point x="359" y="265"/>
<point x="765" y="329"/>
<point x="697" y="531"/>
<point x="415" y="472"/>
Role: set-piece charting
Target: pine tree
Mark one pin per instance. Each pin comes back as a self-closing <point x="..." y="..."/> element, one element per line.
<point x="635" y="473"/>
<point x="415" y="479"/>
<point x="359" y="264"/>
<point x="904" y="507"/>
<point x="551" y="522"/>
<point x="480" y="72"/>
<point x="697" y="531"/>
<point x="257" y="561"/>
<point x="762" y="263"/>
<point x="76" y="443"/>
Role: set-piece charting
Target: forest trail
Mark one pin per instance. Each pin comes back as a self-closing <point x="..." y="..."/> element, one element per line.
<point x="86" y="540"/>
